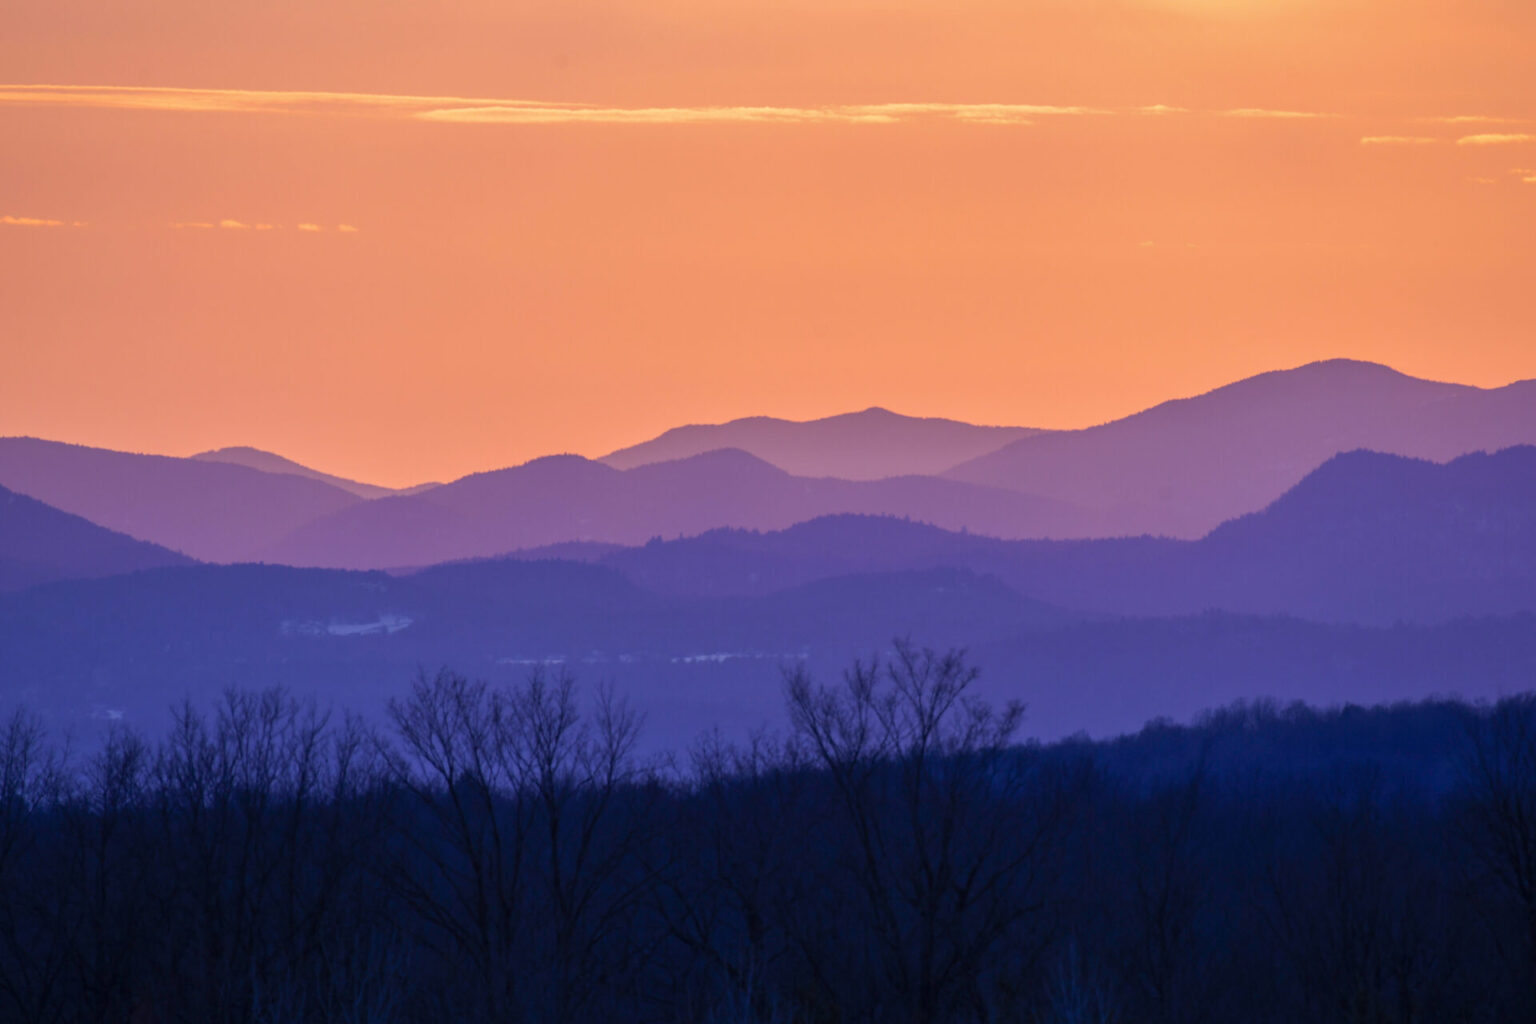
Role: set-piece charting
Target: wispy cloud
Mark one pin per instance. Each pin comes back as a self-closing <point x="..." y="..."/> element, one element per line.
<point x="1398" y="140"/>
<point x="1469" y="119"/>
<point x="1283" y="115"/>
<point x="38" y="222"/>
<point x="482" y="110"/>
<point x="126" y="97"/>
<point x="866" y="113"/>
<point x="1495" y="139"/>
<point x="231" y="224"/>
<point x="647" y="115"/>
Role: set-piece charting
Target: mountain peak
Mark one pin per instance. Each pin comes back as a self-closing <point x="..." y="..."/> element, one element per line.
<point x="271" y="462"/>
<point x="869" y="444"/>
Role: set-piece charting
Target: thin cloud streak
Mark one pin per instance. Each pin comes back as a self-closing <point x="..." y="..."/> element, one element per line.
<point x="471" y="110"/>
<point x="231" y="224"/>
<point x="255" y="101"/>
<point x="648" y="115"/>
<point x="1495" y="139"/>
<point x="1469" y="119"/>
<point x="1398" y="140"/>
<point x="867" y="113"/>
<point x="38" y="222"/>
<point x="1282" y="115"/>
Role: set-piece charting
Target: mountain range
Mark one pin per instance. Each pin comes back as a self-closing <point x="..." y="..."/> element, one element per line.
<point x="568" y="498"/>
<point x="212" y="511"/>
<point x="40" y="544"/>
<point x="1365" y="538"/>
<point x="1378" y="577"/>
<point x="690" y="583"/>
<point x="1183" y="467"/>
<point x="864" y="445"/>
<point x="1179" y="470"/>
<point x="267" y="462"/>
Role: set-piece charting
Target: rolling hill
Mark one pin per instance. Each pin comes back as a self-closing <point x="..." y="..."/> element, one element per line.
<point x="268" y="462"/>
<point x="568" y="498"/>
<point x="863" y="445"/>
<point x="40" y="544"/>
<point x="1183" y="467"/>
<point x="212" y="511"/>
<point x="1365" y="538"/>
<point x="128" y="647"/>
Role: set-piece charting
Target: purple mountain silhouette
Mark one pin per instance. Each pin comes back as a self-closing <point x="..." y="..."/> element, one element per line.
<point x="864" y="445"/>
<point x="568" y="498"/>
<point x="1366" y="537"/>
<point x="1182" y="467"/>
<point x="213" y="511"/>
<point x="40" y="544"/>
<point x="268" y="462"/>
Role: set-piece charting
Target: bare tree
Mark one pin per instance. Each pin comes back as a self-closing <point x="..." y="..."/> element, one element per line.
<point x="33" y="784"/>
<point x="1498" y="776"/>
<point x="946" y="845"/>
<point x="463" y="873"/>
<point x="531" y="818"/>
<point x="1170" y="881"/>
<point x="739" y="858"/>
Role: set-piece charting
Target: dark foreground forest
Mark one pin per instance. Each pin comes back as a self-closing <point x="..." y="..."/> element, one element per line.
<point x="502" y="855"/>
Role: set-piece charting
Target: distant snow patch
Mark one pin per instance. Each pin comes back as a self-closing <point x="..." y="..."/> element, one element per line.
<point x="382" y="625"/>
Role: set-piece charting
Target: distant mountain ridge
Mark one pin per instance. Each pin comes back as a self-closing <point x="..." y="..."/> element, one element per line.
<point x="1366" y="538"/>
<point x="269" y="462"/>
<point x="213" y="511"/>
<point x="1183" y="467"/>
<point x="1179" y="469"/>
<point x="567" y="498"/>
<point x="129" y="646"/>
<point x="40" y="544"/>
<point x="867" y="445"/>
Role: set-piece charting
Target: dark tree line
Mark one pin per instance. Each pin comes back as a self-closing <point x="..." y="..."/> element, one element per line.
<point x="504" y="855"/>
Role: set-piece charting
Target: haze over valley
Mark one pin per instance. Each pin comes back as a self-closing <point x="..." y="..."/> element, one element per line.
<point x="1335" y="532"/>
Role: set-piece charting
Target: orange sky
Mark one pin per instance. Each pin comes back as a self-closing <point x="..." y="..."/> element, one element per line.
<point x="578" y="222"/>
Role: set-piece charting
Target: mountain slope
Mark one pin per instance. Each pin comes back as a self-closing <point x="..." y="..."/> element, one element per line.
<point x="567" y="498"/>
<point x="130" y="646"/>
<point x="40" y="544"/>
<point x="864" y="445"/>
<point x="1183" y="467"/>
<point x="268" y="462"/>
<point x="1366" y="538"/>
<point x="212" y="511"/>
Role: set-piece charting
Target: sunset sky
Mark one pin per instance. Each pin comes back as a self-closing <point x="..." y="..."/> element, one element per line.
<point x="405" y="241"/>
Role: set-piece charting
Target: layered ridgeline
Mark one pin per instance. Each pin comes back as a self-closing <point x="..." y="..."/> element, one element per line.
<point x="40" y="544"/>
<point x="864" y="445"/>
<point x="1179" y="470"/>
<point x="267" y="462"/>
<point x="1366" y="538"/>
<point x="565" y="498"/>
<point x="1416" y="577"/>
<point x="214" y="511"/>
